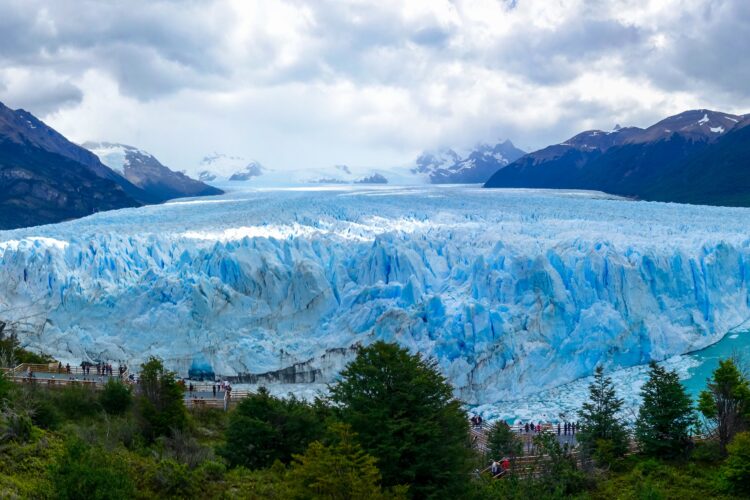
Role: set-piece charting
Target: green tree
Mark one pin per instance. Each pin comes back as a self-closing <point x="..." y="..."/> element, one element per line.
<point x="404" y="414"/>
<point x="263" y="428"/>
<point x="559" y="476"/>
<point x="6" y="387"/>
<point x="503" y="442"/>
<point x="160" y="401"/>
<point x="726" y="402"/>
<point x="86" y="472"/>
<point x="602" y="434"/>
<point x="736" y="469"/>
<point x="662" y="428"/>
<point x="116" y="397"/>
<point x="338" y="471"/>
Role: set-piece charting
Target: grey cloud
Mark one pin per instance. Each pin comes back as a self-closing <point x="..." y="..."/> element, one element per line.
<point x="708" y="49"/>
<point x="41" y="97"/>
<point x="152" y="48"/>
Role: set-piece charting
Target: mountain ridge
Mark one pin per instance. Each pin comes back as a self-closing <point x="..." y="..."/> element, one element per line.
<point x="643" y="163"/>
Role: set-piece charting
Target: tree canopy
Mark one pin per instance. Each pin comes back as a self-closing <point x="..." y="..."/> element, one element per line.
<point x="665" y="416"/>
<point x="403" y="411"/>
<point x="602" y="433"/>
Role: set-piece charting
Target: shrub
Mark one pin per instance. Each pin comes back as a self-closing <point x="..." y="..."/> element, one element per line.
<point x="116" y="397"/>
<point x="170" y="479"/>
<point x="160" y="406"/>
<point x="45" y="414"/>
<point x="736" y="469"/>
<point x="92" y="473"/>
<point x="76" y="401"/>
<point x="263" y="429"/>
<point x="503" y="442"/>
<point x="341" y="470"/>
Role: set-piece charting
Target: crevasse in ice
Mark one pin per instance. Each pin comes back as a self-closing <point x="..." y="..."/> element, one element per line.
<point x="510" y="291"/>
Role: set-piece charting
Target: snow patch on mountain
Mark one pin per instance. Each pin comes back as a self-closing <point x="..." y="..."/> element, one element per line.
<point x="446" y="166"/>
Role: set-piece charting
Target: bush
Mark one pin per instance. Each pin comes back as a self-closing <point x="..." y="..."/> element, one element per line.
<point x="76" y="401"/>
<point x="341" y="470"/>
<point x="91" y="473"/>
<point x="6" y="387"/>
<point x="503" y="442"/>
<point x="160" y="404"/>
<point x="15" y="427"/>
<point x="263" y="429"/>
<point x="116" y="398"/>
<point x="172" y="480"/>
<point x="184" y="449"/>
<point x="736" y="470"/>
<point x="45" y="414"/>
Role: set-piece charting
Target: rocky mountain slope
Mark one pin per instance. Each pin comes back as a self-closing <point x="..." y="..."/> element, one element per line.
<point x="698" y="156"/>
<point x="45" y="178"/>
<point x="146" y="172"/>
<point x="448" y="167"/>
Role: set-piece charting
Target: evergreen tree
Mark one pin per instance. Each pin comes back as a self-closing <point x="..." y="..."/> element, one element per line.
<point x="339" y="471"/>
<point x="160" y="405"/>
<point x="503" y="442"/>
<point x="602" y="434"/>
<point x="666" y="415"/>
<point x="404" y="414"/>
<point x="726" y="402"/>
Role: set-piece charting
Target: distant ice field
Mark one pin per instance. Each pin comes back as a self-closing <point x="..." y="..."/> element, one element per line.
<point x="515" y="293"/>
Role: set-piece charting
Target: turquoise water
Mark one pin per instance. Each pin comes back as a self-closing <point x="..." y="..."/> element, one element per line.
<point x="732" y="343"/>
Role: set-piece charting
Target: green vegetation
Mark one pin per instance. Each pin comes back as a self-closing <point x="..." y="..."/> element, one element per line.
<point x="160" y="406"/>
<point x="602" y="435"/>
<point x="666" y="415"/>
<point x="404" y="414"/>
<point x="726" y="402"/>
<point x="390" y="430"/>
<point x="263" y="429"/>
<point x="503" y="442"/>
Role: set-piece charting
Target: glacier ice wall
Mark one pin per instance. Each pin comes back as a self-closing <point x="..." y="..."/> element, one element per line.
<point x="512" y="292"/>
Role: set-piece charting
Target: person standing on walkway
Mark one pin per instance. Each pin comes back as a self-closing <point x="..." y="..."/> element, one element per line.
<point x="227" y="396"/>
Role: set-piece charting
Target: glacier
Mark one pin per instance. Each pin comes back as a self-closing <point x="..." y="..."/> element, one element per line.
<point x="512" y="292"/>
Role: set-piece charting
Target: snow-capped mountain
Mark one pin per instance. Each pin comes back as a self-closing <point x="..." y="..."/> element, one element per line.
<point x="448" y="167"/>
<point x="510" y="291"/>
<point x="145" y="171"/>
<point x="45" y="178"/>
<point x="221" y="167"/>
<point x="229" y="171"/>
<point x="252" y="169"/>
<point x="698" y="156"/>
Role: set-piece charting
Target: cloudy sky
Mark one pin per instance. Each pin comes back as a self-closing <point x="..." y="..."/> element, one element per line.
<point x="296" y="83"/>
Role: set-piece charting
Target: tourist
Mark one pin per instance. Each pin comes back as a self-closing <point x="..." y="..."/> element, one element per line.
<point x="558" y="428"/>
<point x="214" y="389"/>
<point x="67" y="368"/>
<point x="495" y="468"/>
<point x="526" y="428"/>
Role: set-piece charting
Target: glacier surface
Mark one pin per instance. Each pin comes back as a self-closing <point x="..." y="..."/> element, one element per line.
<point x="513" y="292"/>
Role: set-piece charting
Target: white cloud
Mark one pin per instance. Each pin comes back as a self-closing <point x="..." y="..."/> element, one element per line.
<point x="299" y="83"/>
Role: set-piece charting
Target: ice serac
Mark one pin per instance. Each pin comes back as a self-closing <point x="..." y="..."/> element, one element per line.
<point x="512" y="292"/>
